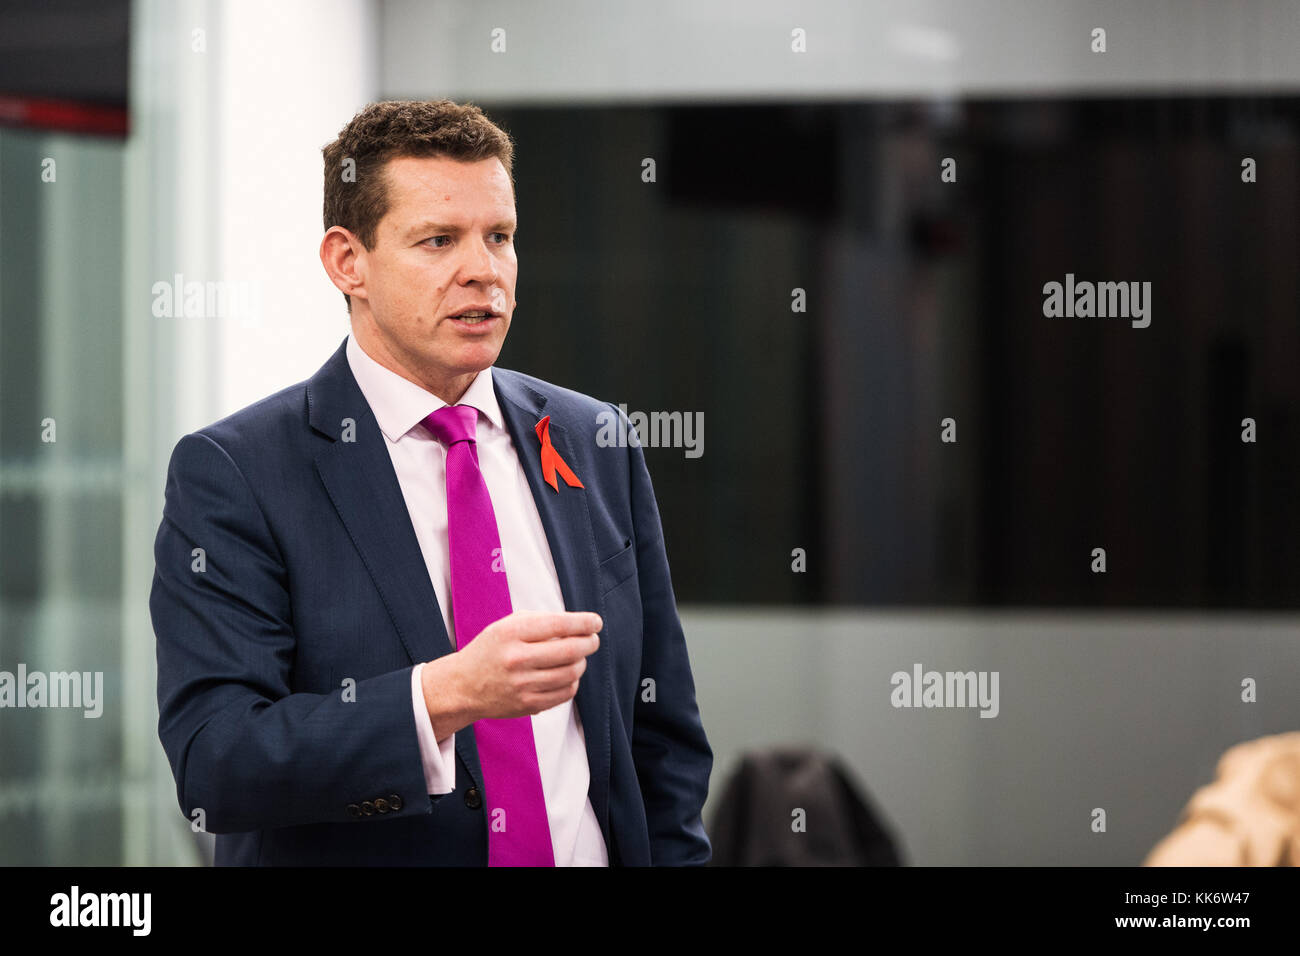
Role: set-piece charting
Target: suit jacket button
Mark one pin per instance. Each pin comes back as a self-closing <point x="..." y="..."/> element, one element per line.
<point x="354" y="810"/>
<point x="368" y="808"/>
<point x="381" y="804"/>
<point x="473" y="799"/>
<point x="395" y="801"/>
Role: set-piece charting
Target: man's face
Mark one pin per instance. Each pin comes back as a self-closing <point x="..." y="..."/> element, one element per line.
<point x="445" y="245"/>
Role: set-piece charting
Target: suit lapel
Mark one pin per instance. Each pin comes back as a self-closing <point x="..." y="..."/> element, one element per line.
<point x="567" y="522"/>
<point x="358" y="474"/>
<point x="359" y="478"/>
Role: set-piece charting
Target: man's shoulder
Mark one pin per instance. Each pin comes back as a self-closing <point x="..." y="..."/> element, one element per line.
<point x="267" y="421"/>
<point x="270" y="437"/>
<point x="558" y="398"/>
<point x="280" y="423"/>
<point x="586" y="418"/>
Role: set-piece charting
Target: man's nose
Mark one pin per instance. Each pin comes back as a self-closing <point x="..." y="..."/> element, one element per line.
<point x="478" y="262"/>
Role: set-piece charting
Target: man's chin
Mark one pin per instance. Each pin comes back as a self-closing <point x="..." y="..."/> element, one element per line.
<point x="474" y="361"/>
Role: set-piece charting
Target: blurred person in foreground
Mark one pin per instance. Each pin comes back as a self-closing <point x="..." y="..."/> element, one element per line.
<point x="1248" y="816"/>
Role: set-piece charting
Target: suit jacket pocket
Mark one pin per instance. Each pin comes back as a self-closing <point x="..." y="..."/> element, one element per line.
<point x="617" y="568"/>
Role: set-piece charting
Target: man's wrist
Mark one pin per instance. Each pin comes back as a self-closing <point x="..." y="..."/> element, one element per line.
<point x="449" y="711"/>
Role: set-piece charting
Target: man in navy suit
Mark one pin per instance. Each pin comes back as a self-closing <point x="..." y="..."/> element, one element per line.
<point x="312" y="702"/>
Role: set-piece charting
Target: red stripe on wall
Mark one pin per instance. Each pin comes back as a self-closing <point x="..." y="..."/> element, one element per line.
<point x="66" y="115"/>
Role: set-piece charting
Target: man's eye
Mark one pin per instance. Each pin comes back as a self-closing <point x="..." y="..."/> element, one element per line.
<point x="434" y="240"/>
<point x="505" y="236"/>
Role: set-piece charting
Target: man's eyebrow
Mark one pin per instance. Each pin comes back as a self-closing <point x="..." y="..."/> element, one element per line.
<point x="443" y="228"/>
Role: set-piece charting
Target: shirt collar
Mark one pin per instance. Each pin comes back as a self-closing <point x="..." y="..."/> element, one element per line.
<point x="399" y="404"/>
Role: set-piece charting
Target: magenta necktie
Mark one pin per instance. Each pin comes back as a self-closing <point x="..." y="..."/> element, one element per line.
<point x="519" y="833"/>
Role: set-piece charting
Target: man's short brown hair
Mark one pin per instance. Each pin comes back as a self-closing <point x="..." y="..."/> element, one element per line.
<point x="356" y="195"/>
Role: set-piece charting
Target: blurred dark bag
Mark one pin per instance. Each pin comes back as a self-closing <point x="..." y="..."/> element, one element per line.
<point x="754" y="824"/>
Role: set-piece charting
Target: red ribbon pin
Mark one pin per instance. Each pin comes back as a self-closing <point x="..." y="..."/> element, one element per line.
<point x="551" y="460"/>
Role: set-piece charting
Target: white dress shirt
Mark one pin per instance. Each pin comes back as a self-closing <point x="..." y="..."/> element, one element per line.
<point x="420" y="461"/>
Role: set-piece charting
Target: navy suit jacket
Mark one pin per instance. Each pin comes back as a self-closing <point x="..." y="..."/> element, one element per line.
<point x="310" y="575"/>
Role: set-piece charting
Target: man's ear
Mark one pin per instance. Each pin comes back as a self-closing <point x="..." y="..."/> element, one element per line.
<point x="344" y="259"/>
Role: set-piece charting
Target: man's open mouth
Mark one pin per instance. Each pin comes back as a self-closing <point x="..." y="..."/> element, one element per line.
<point x="474" y="316"/>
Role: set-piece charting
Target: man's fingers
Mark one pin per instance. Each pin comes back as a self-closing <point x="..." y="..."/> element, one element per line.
<point x="561" y="652"/>
<point x="544" y="625"/>
<point x="556" y="678"/>
<point x="552" y="699"/>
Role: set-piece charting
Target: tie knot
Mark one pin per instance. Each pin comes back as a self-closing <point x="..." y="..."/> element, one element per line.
<point x="453" y="423"/>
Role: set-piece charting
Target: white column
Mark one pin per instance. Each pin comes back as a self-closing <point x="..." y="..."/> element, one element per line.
<point x="223" y="184"/>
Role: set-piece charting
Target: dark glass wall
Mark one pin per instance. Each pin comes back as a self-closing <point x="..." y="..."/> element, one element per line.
<point x="925" y="302"/>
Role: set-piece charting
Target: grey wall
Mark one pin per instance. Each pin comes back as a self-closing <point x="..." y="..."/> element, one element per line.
<point x="1129" y="713"/>
<point x="706" y="49"/>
